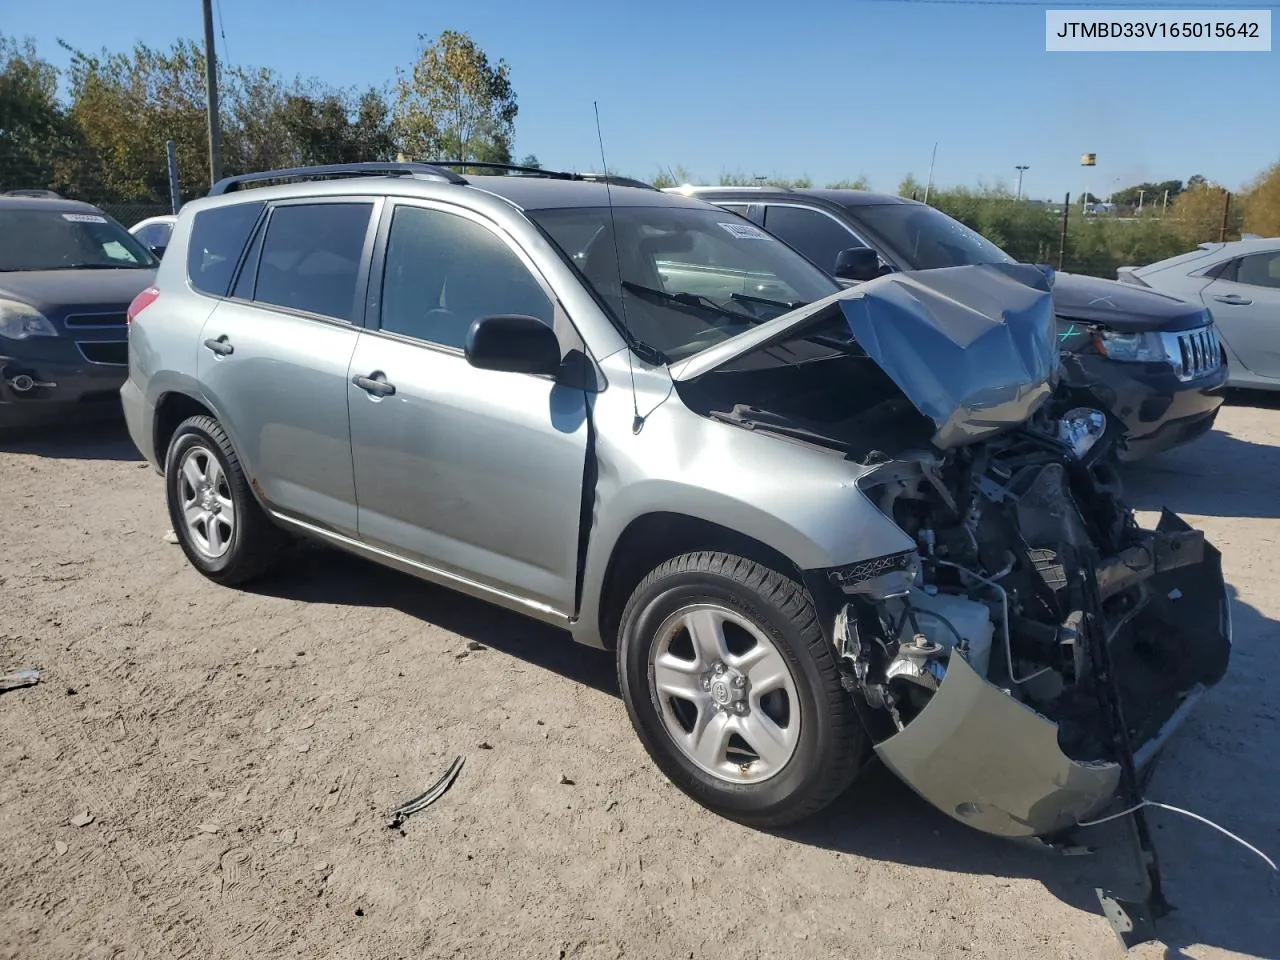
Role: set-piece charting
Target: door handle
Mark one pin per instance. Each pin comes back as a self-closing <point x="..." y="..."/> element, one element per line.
<point x="1235" y="299"/>
<point x="375" y="384"/>
<point x="220" y="346"/>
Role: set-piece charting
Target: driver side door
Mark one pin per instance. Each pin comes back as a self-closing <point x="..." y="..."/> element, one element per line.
<point x="474" y="476"/>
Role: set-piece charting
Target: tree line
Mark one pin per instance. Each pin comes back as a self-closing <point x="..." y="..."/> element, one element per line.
<point x="104" y="141"/>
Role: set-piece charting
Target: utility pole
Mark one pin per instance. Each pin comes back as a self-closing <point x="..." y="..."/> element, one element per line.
<point x="929" y="186"/>
<point x="211" y="96"/>
<point x="1020" y="168"/>
<point x="1226" y="210"/>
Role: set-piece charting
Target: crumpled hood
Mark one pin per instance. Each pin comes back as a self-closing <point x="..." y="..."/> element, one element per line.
<point x="1123" y="307"/>
<point x="973" y="348"/>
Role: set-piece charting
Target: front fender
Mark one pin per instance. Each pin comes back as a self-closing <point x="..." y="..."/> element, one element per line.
<point x="799" y="501"/>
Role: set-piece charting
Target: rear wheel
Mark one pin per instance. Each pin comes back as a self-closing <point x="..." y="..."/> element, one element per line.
<point x="735" y="692"/>
<point x="220" y="526"/>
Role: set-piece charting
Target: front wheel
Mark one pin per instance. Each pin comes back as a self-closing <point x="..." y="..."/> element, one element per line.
<point x="734" y="690"/>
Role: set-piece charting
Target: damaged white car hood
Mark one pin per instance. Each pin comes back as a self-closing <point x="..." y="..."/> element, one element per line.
<point x="973" y="348"/>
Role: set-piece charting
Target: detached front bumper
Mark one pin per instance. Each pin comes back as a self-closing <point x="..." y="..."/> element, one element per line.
<point x="1158" y="410"/>
<point x="995" y="764"/>
<point x="50" y="383"/>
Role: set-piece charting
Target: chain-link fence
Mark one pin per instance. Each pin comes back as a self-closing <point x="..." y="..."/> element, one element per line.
<point x="79" y="173"/>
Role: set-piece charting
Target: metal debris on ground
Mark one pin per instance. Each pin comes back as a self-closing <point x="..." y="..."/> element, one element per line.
<point x="28" y="677"/>
<point x="428" y="797"/>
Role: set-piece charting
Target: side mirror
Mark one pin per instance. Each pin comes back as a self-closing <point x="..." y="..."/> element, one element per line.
<point x="857" y="263"/>
<point x="514" y="343"/>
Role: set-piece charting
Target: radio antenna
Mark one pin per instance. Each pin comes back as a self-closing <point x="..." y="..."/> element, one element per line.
<point x="637" y="421"/>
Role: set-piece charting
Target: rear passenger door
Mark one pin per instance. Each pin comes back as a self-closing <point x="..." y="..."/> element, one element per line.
<point x="273" y="357"/>
<point x="473" y="474"/>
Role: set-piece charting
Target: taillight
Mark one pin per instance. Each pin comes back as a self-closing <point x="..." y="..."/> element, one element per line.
<point x="143" y="300"/>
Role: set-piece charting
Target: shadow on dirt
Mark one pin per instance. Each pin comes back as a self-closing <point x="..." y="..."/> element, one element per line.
<point x="320" y="574"/>
<point x="100" y="435"/>
<point x="1219" y="765"/>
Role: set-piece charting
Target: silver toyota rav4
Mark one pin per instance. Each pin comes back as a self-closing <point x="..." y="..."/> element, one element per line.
<point x="812" y="522"/>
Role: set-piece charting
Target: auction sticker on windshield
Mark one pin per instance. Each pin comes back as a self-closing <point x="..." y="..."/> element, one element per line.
<point x="745" y="231"/>
<point x="1153" y="31"/>
<point x="84" y="218"/>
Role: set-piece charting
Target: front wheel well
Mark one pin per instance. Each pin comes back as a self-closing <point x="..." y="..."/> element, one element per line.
<point x="171" y="411"/>
<point x="655" y="538"/>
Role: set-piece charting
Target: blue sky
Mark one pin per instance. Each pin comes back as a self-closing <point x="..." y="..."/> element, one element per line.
<point x="827" y="89"/>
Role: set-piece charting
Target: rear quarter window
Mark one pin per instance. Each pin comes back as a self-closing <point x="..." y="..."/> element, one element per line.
<point x="218" y="237"/>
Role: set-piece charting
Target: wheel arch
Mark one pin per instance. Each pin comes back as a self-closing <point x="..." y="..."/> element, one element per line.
<point x="651" y="539"/>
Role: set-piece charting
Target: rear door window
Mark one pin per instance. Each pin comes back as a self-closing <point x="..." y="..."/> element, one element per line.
<point x="311" y="258"/>
<point x="217" y="239"/>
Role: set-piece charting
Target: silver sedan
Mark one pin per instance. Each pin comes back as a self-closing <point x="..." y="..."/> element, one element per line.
<point x="1239" y="283"/>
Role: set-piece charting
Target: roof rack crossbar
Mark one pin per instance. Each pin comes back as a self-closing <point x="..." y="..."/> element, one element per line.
<point x="543" y="172"/>
<point x="425" y="171"/>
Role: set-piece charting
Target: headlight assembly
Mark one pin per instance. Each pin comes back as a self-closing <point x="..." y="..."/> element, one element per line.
<point x="19" y="321"/>
<point x="1131" y="347"/>
<point x="1081" y="428"/>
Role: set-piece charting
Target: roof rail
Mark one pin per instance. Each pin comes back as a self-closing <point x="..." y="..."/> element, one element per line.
<point x="424" y="171"/>
<point x="35" y="192"/>
<point x="542" y="172"/>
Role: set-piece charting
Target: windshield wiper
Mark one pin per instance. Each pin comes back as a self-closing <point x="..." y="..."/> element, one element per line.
<point x="693" y="300"/>
<point x="747" y="298"/>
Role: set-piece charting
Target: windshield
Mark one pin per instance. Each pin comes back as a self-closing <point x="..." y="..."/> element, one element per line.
<point x="923" y="238"/>
<point x="59" y="239"/>
<point x="683" y="278"/>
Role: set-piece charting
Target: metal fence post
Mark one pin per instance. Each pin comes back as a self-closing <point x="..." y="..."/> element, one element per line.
<point x="1062" y="242"/>
<point x="175" y="198"/>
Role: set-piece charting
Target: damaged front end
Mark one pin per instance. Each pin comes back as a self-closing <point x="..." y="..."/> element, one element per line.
<point x="1037" y="646"/>
<point x="1035" y="601"/>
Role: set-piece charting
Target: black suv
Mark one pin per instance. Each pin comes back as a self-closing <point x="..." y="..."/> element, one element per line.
<point x="68" y="273"/>
<point x="1153" y="360"/>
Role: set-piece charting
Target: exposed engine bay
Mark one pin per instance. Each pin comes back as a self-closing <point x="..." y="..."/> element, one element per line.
<point x="1031" y="585"/>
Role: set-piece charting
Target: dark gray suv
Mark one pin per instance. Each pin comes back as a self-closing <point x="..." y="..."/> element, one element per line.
<point x="812" y="522"/>
<point x="67" y="275"/>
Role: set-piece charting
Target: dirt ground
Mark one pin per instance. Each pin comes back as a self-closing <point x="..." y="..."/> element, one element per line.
<point x="239" y="752"/>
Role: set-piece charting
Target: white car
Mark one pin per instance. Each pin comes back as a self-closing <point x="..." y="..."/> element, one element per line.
<point x="1239" y="284"/>
<point x="154" y="231"/>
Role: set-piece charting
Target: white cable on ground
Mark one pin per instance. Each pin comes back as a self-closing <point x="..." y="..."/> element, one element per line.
<point x="1186" y="813"/>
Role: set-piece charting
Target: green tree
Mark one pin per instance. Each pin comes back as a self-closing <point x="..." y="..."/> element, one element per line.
<point x="673" y="176"/>
<point x="911" y="187"/>
<point x="33" y="126"/>
<point x="453" y="104"/>
<point x="1197" y="214"/>
<point x="859" y="183"/>
<point x="126" y="105"/>
<point x="1262" y="204"/>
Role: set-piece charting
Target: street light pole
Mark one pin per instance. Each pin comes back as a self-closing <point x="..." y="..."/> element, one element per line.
<point x="1020" y="168"/>
<point x="211" y="96"/>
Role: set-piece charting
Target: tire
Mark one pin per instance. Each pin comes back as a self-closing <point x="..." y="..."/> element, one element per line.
<point x="226" y="551"/>
<point x="794" y="777"/>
